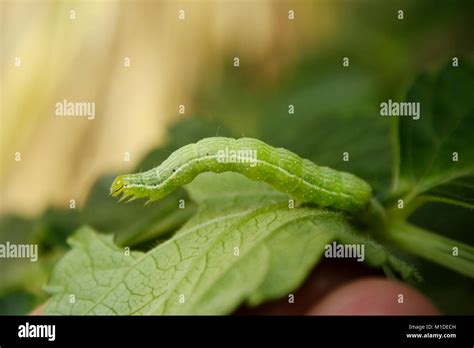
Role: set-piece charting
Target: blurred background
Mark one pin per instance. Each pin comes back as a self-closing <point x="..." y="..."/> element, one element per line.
<point x="164" y="73"/>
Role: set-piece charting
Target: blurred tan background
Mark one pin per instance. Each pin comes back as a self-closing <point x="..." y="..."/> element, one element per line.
<point x="76" y="50"/>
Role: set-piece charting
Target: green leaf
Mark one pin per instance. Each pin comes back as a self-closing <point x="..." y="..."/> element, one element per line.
<point x="377" y="255"/>
<point x="335" y="113"/>
<point x="197" y="271"/>
<point x="452" y="292"/>
<point x="245" y="245"/>
<point x="215" y="188"/>
<point x="427" y="146"/>
<point x="15" y="301"/>
<point x="225" y="187"/>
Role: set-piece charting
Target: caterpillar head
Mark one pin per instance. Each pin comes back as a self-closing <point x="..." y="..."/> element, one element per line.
<point x="117" y="186"/>
<point x="131" y="187"/>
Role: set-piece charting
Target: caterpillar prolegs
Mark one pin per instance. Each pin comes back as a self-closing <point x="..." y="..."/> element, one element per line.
<point x="284" y="170"/>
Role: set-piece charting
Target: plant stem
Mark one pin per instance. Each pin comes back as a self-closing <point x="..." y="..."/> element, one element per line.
<point x="432" y="247"/>
<point x="375" y="218"/>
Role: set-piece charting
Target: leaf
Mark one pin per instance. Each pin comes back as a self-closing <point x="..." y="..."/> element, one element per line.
<point x="377" y="255"/>
<point x="211" y="187"/>
<point x="197" y="267"/>
<point x="427" y="146"/>
<point x="238" y="248"/>
<point x="334" y="114"/>
<point x="17" y="301"/>
<point x="336" y="111"/>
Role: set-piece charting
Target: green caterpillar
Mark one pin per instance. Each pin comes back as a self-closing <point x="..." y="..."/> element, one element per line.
<point x="284" y="170"/>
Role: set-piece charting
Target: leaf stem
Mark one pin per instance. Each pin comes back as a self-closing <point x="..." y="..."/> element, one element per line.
<point x="375" y="218"/>
<point x="444" y="251"/>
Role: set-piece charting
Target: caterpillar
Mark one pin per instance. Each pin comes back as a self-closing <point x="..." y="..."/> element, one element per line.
<point x="284" y="170"/>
